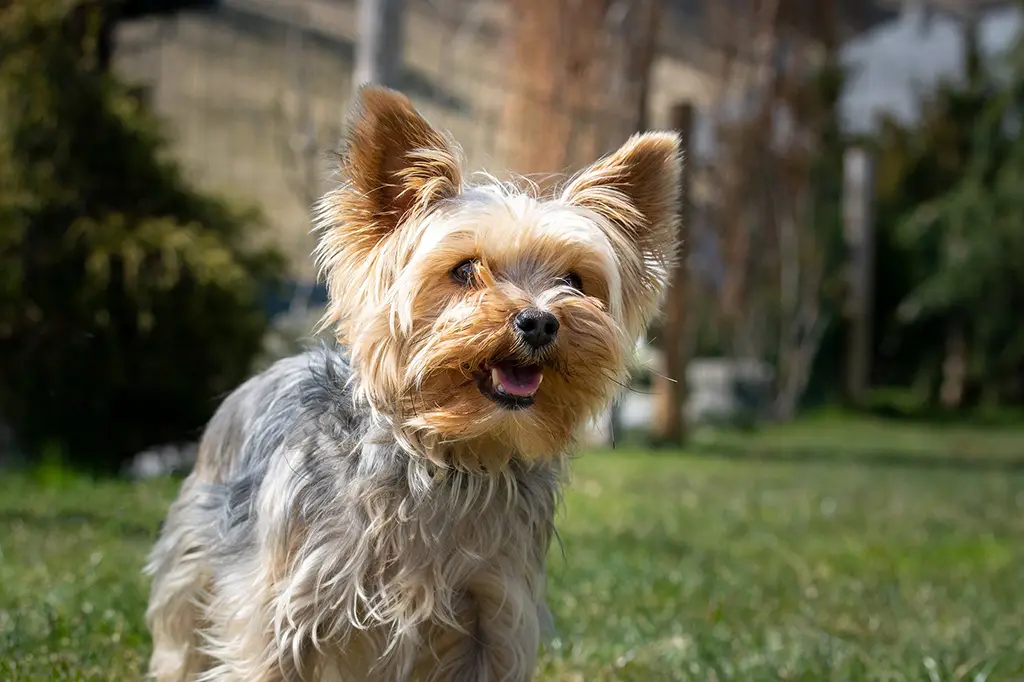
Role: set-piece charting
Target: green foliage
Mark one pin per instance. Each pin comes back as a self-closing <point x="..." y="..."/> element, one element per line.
<point x="672" y="568"/>
<point x="127" y="297"/>
<point x="952" y="235"/>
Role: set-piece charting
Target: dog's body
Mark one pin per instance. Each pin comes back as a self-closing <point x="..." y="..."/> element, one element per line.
<point x="382" y="510"/>
<point x="319" y="531"/>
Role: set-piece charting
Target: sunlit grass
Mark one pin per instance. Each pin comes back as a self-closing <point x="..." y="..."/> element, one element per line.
<point x="674" y="568"/>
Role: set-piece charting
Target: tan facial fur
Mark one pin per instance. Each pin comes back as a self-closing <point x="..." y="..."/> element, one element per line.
<point x="420" y="338"/>
<point x="316" y="539"/>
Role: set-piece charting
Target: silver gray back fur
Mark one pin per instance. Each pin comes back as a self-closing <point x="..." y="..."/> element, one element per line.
<point x="307" y="545"/>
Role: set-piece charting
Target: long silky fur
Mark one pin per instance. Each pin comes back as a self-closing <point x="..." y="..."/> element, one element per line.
<point x="318" y="549"/>
<point x="365" y="513"/>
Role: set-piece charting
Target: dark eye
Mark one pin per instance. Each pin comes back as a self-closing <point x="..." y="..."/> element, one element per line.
<point x="573" y="280"/>
<point x="465" y="272"/>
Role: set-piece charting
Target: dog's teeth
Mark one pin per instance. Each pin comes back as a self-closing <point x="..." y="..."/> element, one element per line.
<point x="496" y="378"/>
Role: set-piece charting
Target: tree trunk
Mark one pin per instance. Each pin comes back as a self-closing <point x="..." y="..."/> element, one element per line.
<point x="859" y="233"/>
<point x="670" y="389"/>
<point x="767" y="179"/>
<point x="954" y="368"/>
<point x="578" y="80"/>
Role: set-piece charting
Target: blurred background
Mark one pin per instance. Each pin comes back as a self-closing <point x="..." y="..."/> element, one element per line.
<point x="818" y="471"/>
<point x="854" y="227"/>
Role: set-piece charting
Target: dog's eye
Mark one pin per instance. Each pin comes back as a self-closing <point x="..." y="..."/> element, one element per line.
<point x="465" y="272"/>
<point x="572" y="280"/>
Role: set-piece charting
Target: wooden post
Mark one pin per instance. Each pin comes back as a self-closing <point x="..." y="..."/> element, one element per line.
<point x="670" y="390"/>
<point x="859" y="233"/>
<point x="379" y="43"/>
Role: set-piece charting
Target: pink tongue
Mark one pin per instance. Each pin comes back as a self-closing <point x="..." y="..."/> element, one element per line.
<point x="519" y="380"/>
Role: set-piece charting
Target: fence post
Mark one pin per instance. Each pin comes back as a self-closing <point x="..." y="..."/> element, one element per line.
<point x="670" y="391"/>
<point x="379" y="43"/>
<point x="859" y="234"/>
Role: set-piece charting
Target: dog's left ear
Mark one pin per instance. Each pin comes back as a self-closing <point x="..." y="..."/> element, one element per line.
<point x="636" y="191"/>
<point x="395" y="162"/>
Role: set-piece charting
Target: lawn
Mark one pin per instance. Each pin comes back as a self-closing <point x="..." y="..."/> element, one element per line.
<point x="674" y="567"/>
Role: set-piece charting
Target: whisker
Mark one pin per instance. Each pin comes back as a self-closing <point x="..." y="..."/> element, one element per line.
<point x="629" y="387"/>
<point x="662" y="376"/>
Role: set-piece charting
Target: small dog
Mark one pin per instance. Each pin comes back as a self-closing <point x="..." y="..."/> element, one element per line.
<point x="382" y="510"/>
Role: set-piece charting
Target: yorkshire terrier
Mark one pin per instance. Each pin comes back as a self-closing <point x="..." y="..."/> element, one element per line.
<point x="381" y="510"/>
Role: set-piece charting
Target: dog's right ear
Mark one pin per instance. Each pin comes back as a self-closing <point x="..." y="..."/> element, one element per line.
<point x="396" y="165"/>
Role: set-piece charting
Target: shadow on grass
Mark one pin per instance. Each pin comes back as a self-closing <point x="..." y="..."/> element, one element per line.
<point x="868" y="457"/>
<point x="69" y="520"/>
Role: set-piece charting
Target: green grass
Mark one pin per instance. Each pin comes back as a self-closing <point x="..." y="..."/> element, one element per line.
<point x="674" y="568"/>
<point x="836" y="436"/>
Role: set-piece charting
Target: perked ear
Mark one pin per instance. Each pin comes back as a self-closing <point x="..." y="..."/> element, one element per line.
<point x="637" y="193"/>
<point x="395" y="164"/>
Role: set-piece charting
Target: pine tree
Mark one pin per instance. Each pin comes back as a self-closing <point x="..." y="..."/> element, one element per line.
<point x="127" y="297"/>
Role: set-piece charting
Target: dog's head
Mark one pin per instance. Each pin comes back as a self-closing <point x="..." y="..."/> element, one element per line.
<point x="485" y="322"/>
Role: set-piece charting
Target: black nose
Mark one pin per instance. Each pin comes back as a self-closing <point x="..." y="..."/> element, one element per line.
<point x="537" y="328"/>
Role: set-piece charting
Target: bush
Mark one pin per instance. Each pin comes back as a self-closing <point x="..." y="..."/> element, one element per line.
<point x="127" y="297"/>
<point x="951" y="240"/>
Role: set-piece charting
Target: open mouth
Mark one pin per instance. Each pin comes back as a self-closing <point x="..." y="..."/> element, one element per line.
<point x="511" y="384"/>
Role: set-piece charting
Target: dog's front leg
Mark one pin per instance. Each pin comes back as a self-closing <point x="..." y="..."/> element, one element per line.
<point x="250" y="640"/>
<point x="499" y="640"/>
<point x="263" y="658"/>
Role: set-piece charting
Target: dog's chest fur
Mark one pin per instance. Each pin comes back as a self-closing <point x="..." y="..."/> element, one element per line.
<point x="371" y="563"/>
